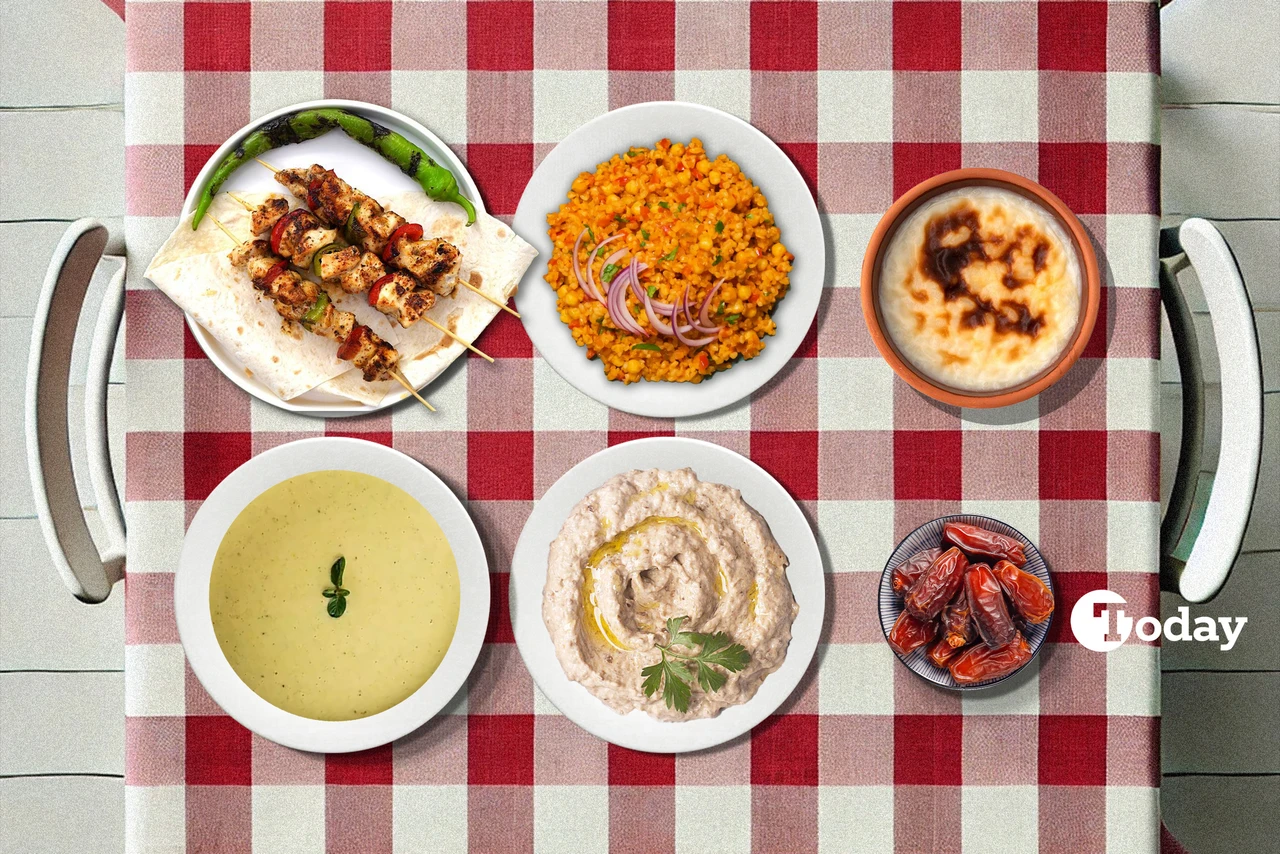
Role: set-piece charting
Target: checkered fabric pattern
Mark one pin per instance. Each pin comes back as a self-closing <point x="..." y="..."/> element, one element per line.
<point x="867" y="98"/>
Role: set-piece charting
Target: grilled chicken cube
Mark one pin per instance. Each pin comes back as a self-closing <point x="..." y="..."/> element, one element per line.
<point x="267" y="214"/>
<point x="336" y="264"/>
<point x="433" y="262"/>
<point x="302" y="236"/>
<point x="292" y="294"/>
<point x="295" y="181"/>
<point x="367" y="351"/>
<point x="334" y="323"/>
<point x="398" y="296"/>
<point x="360" y="278"/>
<point x="245" y="252"/>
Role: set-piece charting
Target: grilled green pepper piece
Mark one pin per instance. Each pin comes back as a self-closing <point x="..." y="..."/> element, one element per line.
<point x="436" y="181"/>
<point x="316" y="311"/>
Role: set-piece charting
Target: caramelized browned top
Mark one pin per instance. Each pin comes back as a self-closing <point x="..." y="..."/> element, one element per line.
<point x="954" y="241"/>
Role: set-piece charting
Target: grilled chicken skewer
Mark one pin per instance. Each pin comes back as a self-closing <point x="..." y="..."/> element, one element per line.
<point x="396" y="294"/>
<point x="297" y="235"/>
<point x="302" y="301"/>
<point x="434" y="262"/>
<point x="398" y="242"/>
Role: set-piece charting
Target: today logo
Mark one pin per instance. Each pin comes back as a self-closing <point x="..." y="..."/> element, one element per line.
<point x="1101" y="627"/>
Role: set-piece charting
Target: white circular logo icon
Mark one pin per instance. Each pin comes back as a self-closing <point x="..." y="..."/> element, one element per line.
<point x="1091" y="620"/>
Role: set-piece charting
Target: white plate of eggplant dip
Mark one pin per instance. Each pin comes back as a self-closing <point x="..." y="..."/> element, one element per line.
<point x="682" y="259"/>
<point x="334" y="257"/>
<point x="332" y="594"/>
<point x="667" y="594"/>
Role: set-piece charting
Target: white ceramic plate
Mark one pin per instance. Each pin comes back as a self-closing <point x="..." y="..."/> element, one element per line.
<point x="713" y="463"/>
<point x="761" y="160"/>
<point x="195" y="625"/>
<point x="360" y="166"/>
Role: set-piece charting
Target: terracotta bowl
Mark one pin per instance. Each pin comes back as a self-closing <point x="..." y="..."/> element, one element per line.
<point x="903" y="208"/>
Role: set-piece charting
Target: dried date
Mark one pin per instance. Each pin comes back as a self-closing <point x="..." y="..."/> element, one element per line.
<point x="937" y="586"/>
<point x="980" y="663"/>
<point x="986" y="601"/>
<point x="980" y="541"/>
<point x="909" y="571"/>
<point x="1029" y="596"/>
<point x="909" y="634"/>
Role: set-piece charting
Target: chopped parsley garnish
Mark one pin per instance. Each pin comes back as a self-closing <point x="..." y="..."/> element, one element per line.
<point x="719" y="226"/>
<point x="609" y="271"/>
<point x="733" y="318"/>
<point x="620" y="219"/>
<point x="717" y="261"/>
<point x="652" y="289"/>
<point x="682" y="206"/>
<point x="645" y="345"/>
<point x="664" y="205"/>
<point x="670" y="255"/>
<point x="671" y="672"/>
<point x="644" y="234"/>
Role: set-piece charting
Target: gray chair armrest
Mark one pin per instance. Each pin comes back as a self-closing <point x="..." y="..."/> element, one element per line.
<point x="87" y="573"/>
<point x="1205" y="522"/>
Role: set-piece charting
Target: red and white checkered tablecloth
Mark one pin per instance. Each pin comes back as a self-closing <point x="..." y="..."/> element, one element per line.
<point x="868" y="98"/>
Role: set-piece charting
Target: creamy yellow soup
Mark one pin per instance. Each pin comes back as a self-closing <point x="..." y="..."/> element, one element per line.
<point x="270" y="612"/>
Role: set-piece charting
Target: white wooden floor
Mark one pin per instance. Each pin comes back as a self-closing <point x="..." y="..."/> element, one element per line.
<point x="61" y="686"/>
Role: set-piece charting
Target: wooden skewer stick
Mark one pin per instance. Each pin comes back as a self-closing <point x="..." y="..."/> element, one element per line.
<point x="502" y="305"/>
<point x="399" y="377"/>
<point x="237" y="241"/>
<point x="474" y="349"/>
<point x="242" y="202"/>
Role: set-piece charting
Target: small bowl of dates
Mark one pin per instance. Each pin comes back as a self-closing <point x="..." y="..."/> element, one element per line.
<point x="966" y="601"/>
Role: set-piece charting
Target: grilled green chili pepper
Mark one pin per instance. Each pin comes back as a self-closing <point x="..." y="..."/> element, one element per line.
<point x="436" y="181"/>
<point x="313" y="314"/>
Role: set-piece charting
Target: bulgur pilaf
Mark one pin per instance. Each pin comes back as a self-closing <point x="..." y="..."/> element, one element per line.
<point x="670" y="224"/>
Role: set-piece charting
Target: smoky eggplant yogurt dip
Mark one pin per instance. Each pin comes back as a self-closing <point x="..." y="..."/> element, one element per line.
<point x="639" y="553"/>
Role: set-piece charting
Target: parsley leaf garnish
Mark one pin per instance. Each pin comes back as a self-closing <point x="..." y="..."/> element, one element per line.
<point x="719" y="226"/>
<point x="733" y="318"/>
<point x="608" y="272"/>
<point x="717" y="261"/>
<point x="671" y="671"/>
<point x="620" y="219"/>
<point x="664" y="205"/>
<point x="682" y="206"/>
<point x="644" y="234"/>
<point x="652" y="289"/>
<point x="670" y="255"/>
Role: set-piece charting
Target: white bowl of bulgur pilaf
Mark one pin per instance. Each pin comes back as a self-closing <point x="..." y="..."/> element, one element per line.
<point x="680" y="243"/>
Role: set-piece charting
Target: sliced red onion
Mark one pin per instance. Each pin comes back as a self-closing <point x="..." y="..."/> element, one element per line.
<point x="683" y="306"/>
<point x="703" y="320"/>
<point x="662" y="308"/>
<point x="588" y="289"/>
<point x="622" y="318"/>
<point x="591" y="259"/>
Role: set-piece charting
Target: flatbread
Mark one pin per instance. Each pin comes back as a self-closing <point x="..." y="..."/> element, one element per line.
<point x="193" y="269"/>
